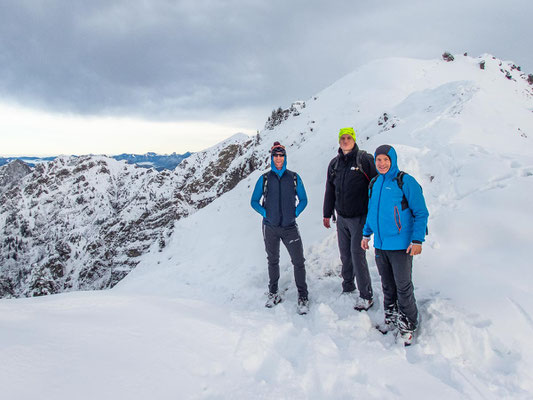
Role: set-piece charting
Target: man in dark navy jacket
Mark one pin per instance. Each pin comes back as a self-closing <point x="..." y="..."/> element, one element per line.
<point x="279" y="189"/>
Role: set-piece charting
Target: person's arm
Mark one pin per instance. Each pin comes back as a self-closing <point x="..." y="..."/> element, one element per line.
<point x="256" y="197"/>
<point x="367" y="232"/>
<point x="415" y="198"/>
<point x="329" y="198"/>
<point x="414" y="249"/>
<point x="302" y="196"/>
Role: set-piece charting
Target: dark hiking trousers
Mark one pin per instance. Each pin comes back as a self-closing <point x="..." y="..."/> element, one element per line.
<point x="293" y="242"/>
<point x="353" y="257"/>
<point x="395" y="268"/>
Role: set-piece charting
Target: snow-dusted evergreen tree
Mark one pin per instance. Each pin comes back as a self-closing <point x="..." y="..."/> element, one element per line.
<point x="41" y="282"/>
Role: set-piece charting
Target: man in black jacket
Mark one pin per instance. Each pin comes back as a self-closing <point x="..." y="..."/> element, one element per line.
<point x="347" y="192"/>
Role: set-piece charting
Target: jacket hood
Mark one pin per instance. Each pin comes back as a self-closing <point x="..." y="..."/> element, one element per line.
<point x="391" y="153"/>
<point x="283" y="168"/>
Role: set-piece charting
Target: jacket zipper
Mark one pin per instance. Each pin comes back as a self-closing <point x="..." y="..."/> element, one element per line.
<point x="379" y="206"/>
<point x="343" y="191"/>
<point x="279" y="196"/>
<point x="397" y="219"/>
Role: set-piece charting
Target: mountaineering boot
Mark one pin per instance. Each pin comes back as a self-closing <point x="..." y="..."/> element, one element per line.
<point x="391" y="315"/>
<point x="272" y="300"/>
<point x="303" y="305"/>
<point x="391" y="318"/>
<point x="406" y="329"/>
<point x="390" y="322"/>
<point x="407" y="337"/>
<point x="363" y="304"/>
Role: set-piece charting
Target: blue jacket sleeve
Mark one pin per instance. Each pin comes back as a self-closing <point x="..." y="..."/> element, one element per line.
<point x="256" y="196"/>
<point x="367" y="231"/>
<point x="413" y="193"/>
<point x="302" y="196"/>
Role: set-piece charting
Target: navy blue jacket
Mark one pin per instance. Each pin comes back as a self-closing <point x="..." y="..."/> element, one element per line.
<point x="280" y="207"/>
<point x="395" y="227"/>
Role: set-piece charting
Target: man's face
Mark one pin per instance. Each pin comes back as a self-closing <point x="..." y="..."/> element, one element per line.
<point x="278" y="160"/>
<point x="347" y="143"/>
<point x="382" y="163"/>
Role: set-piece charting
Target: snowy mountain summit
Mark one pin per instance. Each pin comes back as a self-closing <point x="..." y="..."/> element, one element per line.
<point x="193" y="308"/>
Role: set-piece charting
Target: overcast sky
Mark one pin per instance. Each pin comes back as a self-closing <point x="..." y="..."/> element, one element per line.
<point x="104" y="76"/>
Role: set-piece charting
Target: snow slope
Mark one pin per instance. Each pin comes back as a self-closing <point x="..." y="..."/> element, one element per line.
<point x="189" y="321"/>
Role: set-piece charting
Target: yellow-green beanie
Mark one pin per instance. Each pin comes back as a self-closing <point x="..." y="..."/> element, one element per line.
<point x="347" y="131"/>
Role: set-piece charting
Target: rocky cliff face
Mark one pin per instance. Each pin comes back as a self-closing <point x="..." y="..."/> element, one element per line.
<point x="81" y="223"/>
<point x="12" y="173"/>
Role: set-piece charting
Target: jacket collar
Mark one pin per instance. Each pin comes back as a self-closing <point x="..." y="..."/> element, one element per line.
<point x="352" y="153"/>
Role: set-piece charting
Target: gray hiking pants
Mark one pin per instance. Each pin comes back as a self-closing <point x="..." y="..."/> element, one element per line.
<point x="353" y="257"/>
<point x="293" y="242"/>
<point x="395" y="268"/>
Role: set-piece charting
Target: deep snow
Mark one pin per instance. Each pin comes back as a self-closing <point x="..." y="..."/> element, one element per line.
<point x="189" y="321"/>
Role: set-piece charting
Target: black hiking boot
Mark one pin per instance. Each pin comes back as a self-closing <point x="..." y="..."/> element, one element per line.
<point x="272" y="300"/>
<point x="303" y="305"/>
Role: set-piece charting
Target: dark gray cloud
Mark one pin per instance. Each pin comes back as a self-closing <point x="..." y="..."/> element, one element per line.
<point x="166" y="59"/>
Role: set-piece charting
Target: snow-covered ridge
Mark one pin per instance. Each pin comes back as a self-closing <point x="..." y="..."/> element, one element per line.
<point x="465" y="134"/>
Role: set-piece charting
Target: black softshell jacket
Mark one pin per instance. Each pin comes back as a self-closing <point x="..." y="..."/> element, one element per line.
<point x="347" y="187"/>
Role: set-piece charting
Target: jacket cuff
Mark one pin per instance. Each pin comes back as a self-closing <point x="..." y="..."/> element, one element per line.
<point x="416" y="242"/>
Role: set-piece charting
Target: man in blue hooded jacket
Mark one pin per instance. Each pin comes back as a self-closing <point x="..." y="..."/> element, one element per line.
<point x="279" y="188"/>
<point x="397" y="216"/>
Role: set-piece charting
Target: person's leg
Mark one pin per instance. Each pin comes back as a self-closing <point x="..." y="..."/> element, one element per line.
<point x="360" y="266"/>
<point x="293" y="242"/>
<point x="388" y="284"/>
<point x="344" y="239"/>
<point x="272" y="240"/>
<point x="402" y="266"/>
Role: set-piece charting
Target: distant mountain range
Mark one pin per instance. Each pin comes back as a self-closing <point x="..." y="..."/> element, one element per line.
<point x="157" y="161"/>
<point x="148" y="160"/>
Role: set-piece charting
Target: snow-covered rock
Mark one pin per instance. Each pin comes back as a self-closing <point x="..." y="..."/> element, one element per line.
<point x="12" y="173"/>
<point x="278" y="116"/>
